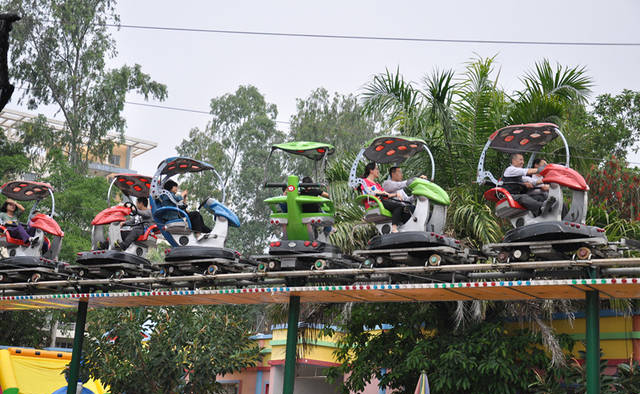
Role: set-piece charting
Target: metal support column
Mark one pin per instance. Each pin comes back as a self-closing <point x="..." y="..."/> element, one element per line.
<point x="292" y="342"/>
<point x="76" y="356"/>
<point x="593" y="339"/>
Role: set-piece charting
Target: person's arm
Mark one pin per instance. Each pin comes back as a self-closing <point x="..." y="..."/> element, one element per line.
<point x="20" y="207"/>
<point x="512" y="172"/>
<point x="393" y="186"/>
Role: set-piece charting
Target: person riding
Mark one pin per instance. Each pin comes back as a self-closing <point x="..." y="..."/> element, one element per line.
<point x="517" y="181"/>
<point x="197" y="222"/>
<point x="396" y="183"/>
<point x="311" y="191"/>
<point x="135" y="226"/>
<point x="399" y="211"/>
<point x="311" y="208"/>
<point x="538" y="190"/>
<point x="9" y="217"/>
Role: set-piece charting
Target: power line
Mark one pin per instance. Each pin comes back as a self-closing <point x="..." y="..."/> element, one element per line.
<point x="376" y="38"/>
<point x="196" y="111"/>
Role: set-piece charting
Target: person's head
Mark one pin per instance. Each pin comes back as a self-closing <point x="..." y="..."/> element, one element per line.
<point x="540" y="162"/>
<point x="9" y="206"/>
<point x="395" y="173"/>
<point x="517" y="160"/>
<point x="142" y="202"/>
<point x="307" y="179"/>
<point x="371" y="168"/>
<point x="172" y="186"/>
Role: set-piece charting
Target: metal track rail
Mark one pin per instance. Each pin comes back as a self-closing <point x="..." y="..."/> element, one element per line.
<point x="259" y="278"/>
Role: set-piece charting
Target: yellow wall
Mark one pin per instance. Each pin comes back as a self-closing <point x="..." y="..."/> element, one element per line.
<point x="320" y="349"/>
<point x="34" y="373"/>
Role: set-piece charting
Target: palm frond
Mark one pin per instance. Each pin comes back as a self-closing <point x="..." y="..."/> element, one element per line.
<point x="471" y="218"/>
<point x="569" y="84"/>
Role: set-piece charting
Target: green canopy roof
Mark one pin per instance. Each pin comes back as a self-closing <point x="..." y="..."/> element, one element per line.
<point x="309" y="149"/>
<point x="393" y="148"/>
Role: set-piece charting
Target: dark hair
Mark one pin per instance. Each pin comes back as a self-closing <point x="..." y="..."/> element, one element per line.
<point x="4" y="207"/>
<point x="392" y="170"/>
<point x="168" y="185"/>
<point x="307" y="179"/>
<point x="537" y="161"/>
<point x="143" y="200"/>
<point x="368" y="168"/>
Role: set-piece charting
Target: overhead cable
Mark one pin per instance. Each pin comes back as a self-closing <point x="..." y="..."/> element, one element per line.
<point x="376" y="38"/>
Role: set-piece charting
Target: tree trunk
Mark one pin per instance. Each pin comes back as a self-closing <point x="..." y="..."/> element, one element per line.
<point x="53" y="330"/>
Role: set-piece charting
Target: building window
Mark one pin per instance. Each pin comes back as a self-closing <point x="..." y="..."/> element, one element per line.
<point x="114" y="160"/>
<point x="230" y="388"/>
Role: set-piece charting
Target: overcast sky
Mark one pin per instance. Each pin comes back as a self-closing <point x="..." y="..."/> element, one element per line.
<point x="199" y="66"/>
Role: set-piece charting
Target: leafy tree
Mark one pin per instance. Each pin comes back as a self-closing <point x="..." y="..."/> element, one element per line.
<point x="168" y="349"/>
<point x="337" y="120"/>
<point x="13" y="160"/>
<point x="23" y="328"/>
<point x="484" y="357"/>
<point x="236" y="142"/>
<point x="615" y="121"/>
<point x="60" y="49"/>
<point x="612" y="187"/>
<point x="78" y="199"/>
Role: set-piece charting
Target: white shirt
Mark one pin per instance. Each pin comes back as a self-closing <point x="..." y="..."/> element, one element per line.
<point x="513" y="171"/>
<point x="391" y="186"/>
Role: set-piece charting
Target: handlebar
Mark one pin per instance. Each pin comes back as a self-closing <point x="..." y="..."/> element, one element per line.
<point x="275" y="185"/>
<point x="311" y="185"/>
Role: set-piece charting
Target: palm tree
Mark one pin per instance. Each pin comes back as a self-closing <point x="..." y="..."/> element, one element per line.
<point x="438" y="93"/>
<point x="549" y="92"/>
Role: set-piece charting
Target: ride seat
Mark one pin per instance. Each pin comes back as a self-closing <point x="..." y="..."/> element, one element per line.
<point x="219" y="209"/>
<point x="149" y="237"/>
<point x="6" y="240"/>
<point x="180" y="225"/>
<point x="375" y="212"/>
<point x="506" y="206"/>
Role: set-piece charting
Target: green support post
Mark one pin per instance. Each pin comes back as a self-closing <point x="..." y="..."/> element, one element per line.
<point x="76" y="356"/>
<point x="593" y="342"/>
<point x="593" y="337"/>
<point x="292" y="342"/>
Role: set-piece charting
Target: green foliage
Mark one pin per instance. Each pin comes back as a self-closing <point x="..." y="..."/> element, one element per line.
<point x="483" y="357"/>
<point x="60" y="49"/>
<point x="13" y="160"/>
<point x="572" y="378"/>
<point x="472" y="218"/>
<point x="616" y="120"/>
<point x="236" y="143"/>
<point x="337" y="119"/>
<point x="628" y="377"/>
<point x="23" y="328"/>
<point x="614" y="187"/>
<point x="186" y="348"/>
<point x="78" y="199"/>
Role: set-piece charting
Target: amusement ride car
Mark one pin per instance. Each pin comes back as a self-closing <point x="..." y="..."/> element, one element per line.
<point x="189" y="253"/>
<point x="303" y="218"/>
<point x="421" y="239"/>
<point x="35" y="260"/>
<point x="551" y="234"/>
<point x="106" y="260"/>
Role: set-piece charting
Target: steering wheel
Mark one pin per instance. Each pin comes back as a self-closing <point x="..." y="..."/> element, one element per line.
<point x="202" y="203"/>
<point x="133" y="208"/>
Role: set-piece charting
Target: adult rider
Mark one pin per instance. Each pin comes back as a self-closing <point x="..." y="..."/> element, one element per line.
<point x="400" y="212"/>
<point x="517" y="181"/>
<point x="396" y="183"/>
